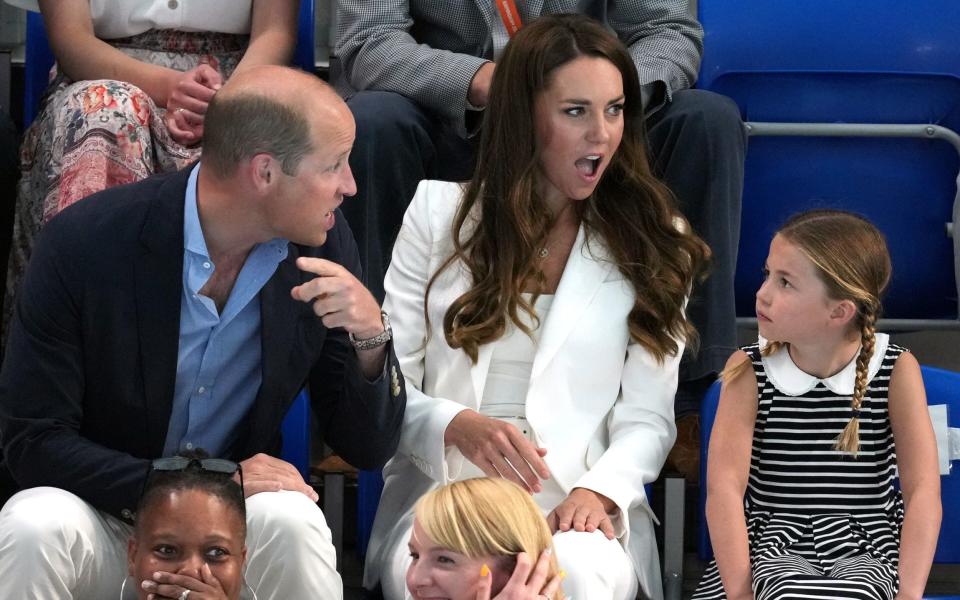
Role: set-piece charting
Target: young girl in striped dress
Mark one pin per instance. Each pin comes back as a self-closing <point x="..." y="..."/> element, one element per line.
<point x="813" y="425"/>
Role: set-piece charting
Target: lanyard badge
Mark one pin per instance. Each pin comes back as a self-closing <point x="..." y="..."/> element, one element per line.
<point x="510" y="15"/>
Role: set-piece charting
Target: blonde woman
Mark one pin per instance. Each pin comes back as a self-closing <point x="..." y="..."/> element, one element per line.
<point x="481" y="538"/>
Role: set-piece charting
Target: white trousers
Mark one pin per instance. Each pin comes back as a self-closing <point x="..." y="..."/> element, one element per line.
<point x="55" y="546"/>
<point x="597" y="568"/>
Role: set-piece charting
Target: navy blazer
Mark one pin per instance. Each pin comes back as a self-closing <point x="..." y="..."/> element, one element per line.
<point x="87" y="382"/>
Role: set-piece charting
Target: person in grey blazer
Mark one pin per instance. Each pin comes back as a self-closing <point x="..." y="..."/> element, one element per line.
<point x="417" y="74"/>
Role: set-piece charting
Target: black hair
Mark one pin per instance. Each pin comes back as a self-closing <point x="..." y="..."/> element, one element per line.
<point x="194" y="477"/>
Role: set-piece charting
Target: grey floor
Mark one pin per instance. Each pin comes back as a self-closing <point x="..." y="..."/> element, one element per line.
<point x="935" y="348"/>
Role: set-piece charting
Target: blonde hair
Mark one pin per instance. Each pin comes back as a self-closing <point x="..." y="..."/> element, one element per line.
<point x="851" y="257"/>
<point x="486" y="517"/>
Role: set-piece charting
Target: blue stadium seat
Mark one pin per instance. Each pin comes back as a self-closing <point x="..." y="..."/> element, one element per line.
<point x="942" y="387"/>
<point x="39" y="57"/>
<point x="296" y="434"/>
<point x="37" y="62"/>
<point x="708" y="413"/>
<point x="890" y="69"/>
<point x="303" y="54"/>
<point x="369" y="488"/>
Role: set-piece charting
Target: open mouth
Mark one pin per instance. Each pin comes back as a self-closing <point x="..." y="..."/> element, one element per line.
<point x="588" y="166"/>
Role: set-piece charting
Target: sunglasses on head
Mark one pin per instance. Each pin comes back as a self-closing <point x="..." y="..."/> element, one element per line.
<point x="212" y="465"/>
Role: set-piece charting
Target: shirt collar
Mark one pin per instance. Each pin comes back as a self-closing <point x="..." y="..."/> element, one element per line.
<point x="193" y="240"/>
<point x="789" y="379"/>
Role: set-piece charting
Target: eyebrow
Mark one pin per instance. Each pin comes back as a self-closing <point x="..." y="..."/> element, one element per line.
<point x="777" y="271"/>
<point x="588" y="102"/>
<point x="172" y="536"/>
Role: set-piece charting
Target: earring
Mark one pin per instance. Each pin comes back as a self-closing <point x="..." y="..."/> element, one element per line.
<point x="123" y="586"/>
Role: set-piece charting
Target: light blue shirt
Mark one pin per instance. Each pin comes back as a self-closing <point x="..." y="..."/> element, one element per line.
<point x="218" y="361"/>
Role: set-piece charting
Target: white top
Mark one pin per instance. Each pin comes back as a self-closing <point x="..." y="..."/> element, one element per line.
<point x="505" y="392"/>
<point x="122" y="18"/>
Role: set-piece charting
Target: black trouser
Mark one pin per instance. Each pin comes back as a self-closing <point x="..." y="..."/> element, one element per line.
<point x="697" y="142"/>
<point x="9" y="174"/>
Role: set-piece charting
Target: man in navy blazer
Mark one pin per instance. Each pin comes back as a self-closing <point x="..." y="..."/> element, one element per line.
<point x="188" y="310"/>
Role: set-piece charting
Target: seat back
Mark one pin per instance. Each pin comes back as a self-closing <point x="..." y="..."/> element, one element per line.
<point x="846" y="61"/>
<point x="303" y="54"/>
<point x="296" y="434"/>
<point x="39" y="58"/>
<point x="941" y="386"/>
<point x="708" y="414"/>
<point x="37" y="61"/>
<point x="369" y="489"/>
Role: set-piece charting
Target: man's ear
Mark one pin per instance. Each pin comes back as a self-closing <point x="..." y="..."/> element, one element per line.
<point x="263" y="171"/>
<point x="843" y="312"/>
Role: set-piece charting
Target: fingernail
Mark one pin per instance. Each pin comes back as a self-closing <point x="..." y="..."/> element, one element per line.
<point x="146" y="584"/>
<point x="484" y="570"/>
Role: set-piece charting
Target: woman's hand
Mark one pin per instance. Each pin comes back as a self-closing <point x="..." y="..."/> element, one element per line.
<point x="528" y="581"/>
<point x="187" y="102"/>
<point x="498" y="449"/>
<point x="171" y="586"/>
<point x="583" y="510"/>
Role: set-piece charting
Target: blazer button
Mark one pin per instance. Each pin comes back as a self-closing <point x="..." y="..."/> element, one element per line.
<point x="394" y="382"/>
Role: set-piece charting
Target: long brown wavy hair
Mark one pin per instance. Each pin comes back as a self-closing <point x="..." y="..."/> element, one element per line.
<point x="851" y="258"/>
<point x="502" y="221"/>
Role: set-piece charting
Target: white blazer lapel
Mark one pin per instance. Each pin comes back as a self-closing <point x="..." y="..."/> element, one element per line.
<point x="586" y="269"/>
<point x="478" y="372"/>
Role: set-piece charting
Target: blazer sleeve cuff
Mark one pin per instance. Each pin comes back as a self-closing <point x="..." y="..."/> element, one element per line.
<point x="438" y="462"/>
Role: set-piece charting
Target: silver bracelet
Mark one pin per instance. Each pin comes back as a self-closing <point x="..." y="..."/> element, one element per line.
<point x="377" y="340"/>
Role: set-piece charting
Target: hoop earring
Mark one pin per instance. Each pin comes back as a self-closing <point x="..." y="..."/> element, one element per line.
<point x="123" y="587"/>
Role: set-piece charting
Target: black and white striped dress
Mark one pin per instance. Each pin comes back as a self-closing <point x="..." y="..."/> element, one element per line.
<point x="821" y="523"/>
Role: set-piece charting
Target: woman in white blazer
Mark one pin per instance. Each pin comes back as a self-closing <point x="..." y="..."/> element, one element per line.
<point x="538" y="315"/>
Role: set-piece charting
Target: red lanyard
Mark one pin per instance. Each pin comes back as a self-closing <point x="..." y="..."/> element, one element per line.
<point x="510" y="16"/>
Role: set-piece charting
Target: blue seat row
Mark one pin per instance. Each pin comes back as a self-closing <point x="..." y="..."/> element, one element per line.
<point x="837" y="65"/>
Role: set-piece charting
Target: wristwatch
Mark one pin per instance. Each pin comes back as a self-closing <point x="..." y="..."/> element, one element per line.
<point x="377" y="340"/>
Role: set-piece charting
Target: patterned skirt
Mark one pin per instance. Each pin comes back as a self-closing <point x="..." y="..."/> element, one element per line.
<point x="92" y="135"/>
<point x="818" y="557"/>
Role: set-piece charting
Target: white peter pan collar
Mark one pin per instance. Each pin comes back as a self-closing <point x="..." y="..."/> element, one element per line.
<point x="789" y="379"/>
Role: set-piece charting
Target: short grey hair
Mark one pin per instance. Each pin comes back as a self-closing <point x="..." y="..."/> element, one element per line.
<point x="240" y="126"/>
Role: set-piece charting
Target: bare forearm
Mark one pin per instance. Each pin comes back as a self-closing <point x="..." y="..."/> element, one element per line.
<point x="728" y="530"/>
<point x="273" y="33"/>
<point x="918" y="541"/>
<point x="274" y="48"/>
<point x="81" y="56"/>
<point x="90" y="58"/>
